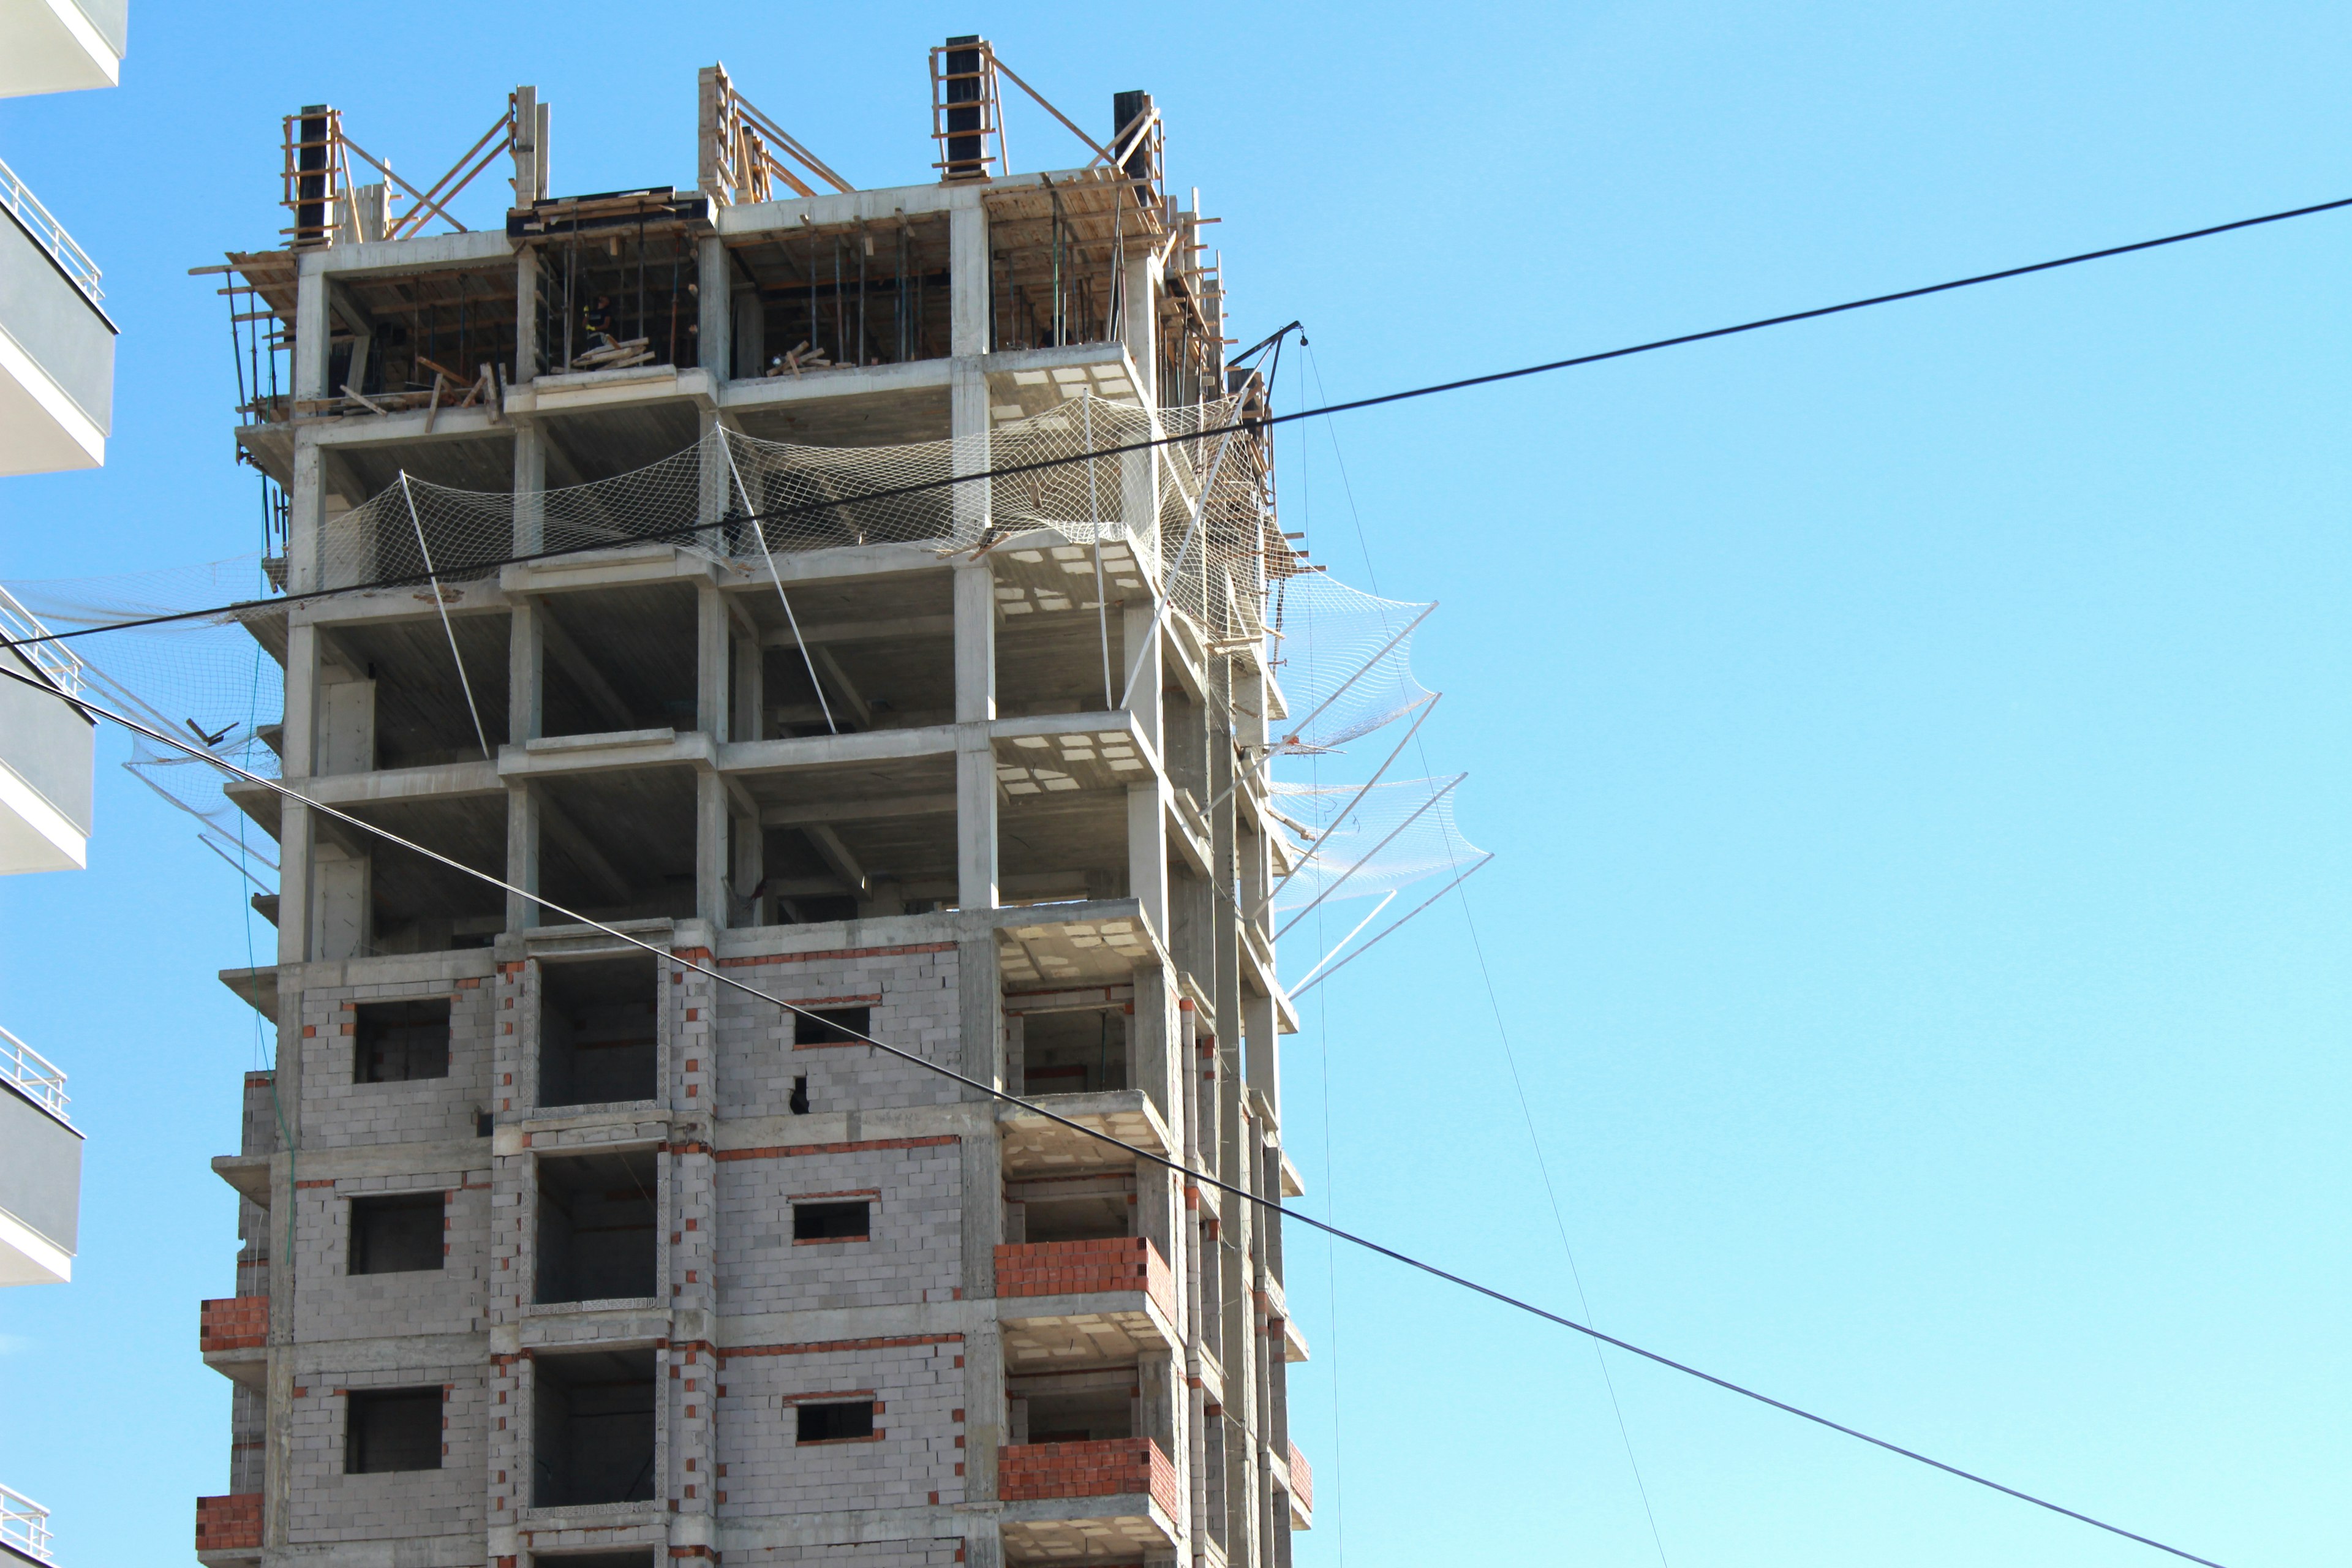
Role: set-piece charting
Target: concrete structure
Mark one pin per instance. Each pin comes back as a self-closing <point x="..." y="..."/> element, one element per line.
<point x="41" y="1170"/>
<point x="57" y="345"/>
<point x="57" y="375"/>
<point x="556" y="1253"/>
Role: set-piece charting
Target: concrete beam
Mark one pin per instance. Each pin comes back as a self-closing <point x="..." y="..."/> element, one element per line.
<point x="831" y="751"/>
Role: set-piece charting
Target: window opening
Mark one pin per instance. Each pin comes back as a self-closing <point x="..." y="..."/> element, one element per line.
<point x="593" y="1428"/>
<point x="836" y="1423"/>
<point x="389" y="1429"/>
<point x="598" y="1232"/>
<point x="399" y="1233"/>
<point x="394" y="1042"/>
<point x="832" y="1025"/>
<point x="833" y="1221"/>
<point x="597" y="1031"/>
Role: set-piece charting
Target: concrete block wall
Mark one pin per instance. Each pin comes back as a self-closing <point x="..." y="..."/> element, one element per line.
<point x="916" y="1459"/>
<point x="915" y="1253"/>
<point x="912" y="993"/>
<point x="329" y="1506"/>
<point x="339" y="1112"/>
<point x="337" y="1304"/>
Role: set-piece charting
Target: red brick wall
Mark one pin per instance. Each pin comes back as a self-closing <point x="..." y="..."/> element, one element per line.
<point x="1082" y="1268"/>
<point x="234" y="1323"/>
<point x="1028" y="1471"/>
<point x="1302" y="1479"/>
<point x="229" y="1523"/>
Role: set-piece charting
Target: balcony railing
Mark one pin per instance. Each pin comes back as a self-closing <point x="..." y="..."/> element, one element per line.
<point x="1086" y="1268"/>
<point x="34" y="1073"/>
<point x="232" y="1323"/>
<point x="231" y="1523"/>
<point x="17" y="624"/>
<point x="49" y="234"/>
<point x="25" y="1525"/>
<point x="1302" y="1481"/>
<point x="1111" y="1467"/>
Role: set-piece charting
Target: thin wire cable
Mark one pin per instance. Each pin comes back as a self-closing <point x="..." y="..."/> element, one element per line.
<point x="688" y="531"/>
<point x="991" y="1091"/>
<point x="1510" y="1058"/>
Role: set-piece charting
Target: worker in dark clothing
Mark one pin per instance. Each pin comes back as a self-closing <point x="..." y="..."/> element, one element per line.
<point x="601" y="323"/>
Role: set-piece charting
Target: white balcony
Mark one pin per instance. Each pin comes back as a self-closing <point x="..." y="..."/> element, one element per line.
<point x="57" y="45"/>
<point x="57" y="345"/>
<point x="24" y="1529"/>
<point x="48" y="749"/>
<point x="41" y="1170"/>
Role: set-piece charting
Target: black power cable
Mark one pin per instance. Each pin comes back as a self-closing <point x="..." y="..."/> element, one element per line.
<point x="1147" y="1155"/>
<point x="892" y="492"/>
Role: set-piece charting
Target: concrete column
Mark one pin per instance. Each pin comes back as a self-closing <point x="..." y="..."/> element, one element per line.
<point x="711" y="660"/>
<point x="1140" y="330"/>
<point x="710" y="849"/>
<point x="525" y="368"/>
<point x="975" y="696"/>
<point x="526" y="672"/>
<point x="968" y="275"/>
<point x="310" y="328"/>
<point x="306" y="516"/>
<point x="1147" y="818"/>
<point x="529" y="487"/>
<point x="522" y="856"/>
<point x="713" y="317"/>
<point x="980" y="1027"/>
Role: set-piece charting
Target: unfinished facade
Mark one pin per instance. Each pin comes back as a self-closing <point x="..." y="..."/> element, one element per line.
<point x="557" y="1252"/>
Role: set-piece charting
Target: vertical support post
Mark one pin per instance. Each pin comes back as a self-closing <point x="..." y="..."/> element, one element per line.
<point x="980" y="1017"/>
<point x="975" y="696"/>
<point x="714" y="319"/>
<point x="526" y="671"/>
<point x="528" y="348"/>
<point x="522" y="854"/>
<point x="1146" y="803"/>
<point x="710" y="848"/>
<point x="311" y="329"/>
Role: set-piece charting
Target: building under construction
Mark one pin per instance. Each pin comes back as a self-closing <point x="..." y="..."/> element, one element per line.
<point x="657" y="555"/>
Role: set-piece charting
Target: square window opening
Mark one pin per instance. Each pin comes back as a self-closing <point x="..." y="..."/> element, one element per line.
<point x="399" y="1233"/>
<point x="394" y="1042"/>
<point x="836" y="1422"/>
<point x="597" y="1031"/>
<point x="846" y="1221"/>
<point x="598" y="1235"/>
<point x="389" y="1429"/>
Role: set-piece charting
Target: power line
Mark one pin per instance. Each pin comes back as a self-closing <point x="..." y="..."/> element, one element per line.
<point x="1149" y="1156"/>
<point x="1502" y="1032"/>
<point x="892" y="492"/>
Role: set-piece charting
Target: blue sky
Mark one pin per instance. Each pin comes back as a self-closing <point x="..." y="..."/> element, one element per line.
<point x="1914" y="741"/>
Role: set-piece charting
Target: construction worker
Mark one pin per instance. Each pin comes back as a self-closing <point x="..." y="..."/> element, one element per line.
<point x="601" y="323"/>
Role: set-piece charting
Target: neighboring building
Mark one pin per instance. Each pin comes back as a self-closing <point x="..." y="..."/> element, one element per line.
<point x="57" y="346"/>
<point x="558" y="1253"/>
<point x="57" y="402"/>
